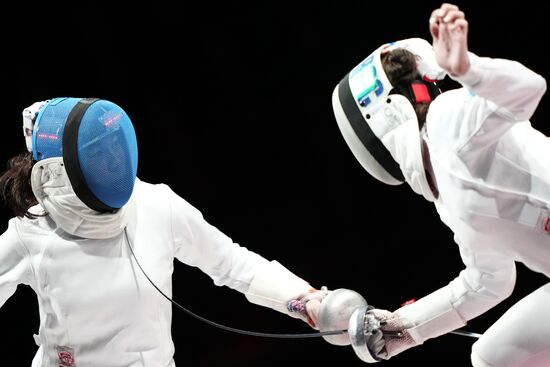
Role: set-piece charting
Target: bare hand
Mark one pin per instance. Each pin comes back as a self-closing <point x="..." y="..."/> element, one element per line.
<point x="449" y="31"/>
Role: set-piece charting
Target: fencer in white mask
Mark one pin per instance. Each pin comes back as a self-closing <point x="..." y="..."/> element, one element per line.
<point x="472" y="152"/>
<point x="78" y="206"/>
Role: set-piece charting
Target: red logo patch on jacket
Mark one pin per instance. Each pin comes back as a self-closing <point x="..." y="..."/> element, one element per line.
<point x="546" y="225"/>
<point x="66" y="356"/>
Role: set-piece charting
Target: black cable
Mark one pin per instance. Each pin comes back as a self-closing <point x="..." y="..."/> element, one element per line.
<point x="227" y="328"/>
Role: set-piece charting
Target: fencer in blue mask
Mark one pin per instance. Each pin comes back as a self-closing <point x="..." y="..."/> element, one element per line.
<point x="78" y="206"/>
<point x="90" y="147"/>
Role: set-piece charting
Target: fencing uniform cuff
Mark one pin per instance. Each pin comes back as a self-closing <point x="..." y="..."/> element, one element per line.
<point x="274" y="285"/>
<point x="431" y="316"/>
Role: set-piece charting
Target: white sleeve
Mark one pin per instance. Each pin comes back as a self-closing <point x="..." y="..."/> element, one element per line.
<point x="487" y="280"/>
<point x="508" y="84"/>
<point x="266" y="283"/>
<point x="14" y="263"/>
<point x="200" y="244"/>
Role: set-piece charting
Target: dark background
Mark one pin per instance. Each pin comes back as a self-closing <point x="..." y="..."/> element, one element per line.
<point x="232" y="107"/>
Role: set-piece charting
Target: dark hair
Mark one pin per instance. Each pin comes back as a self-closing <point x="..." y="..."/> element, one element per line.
<point x="15" y="185"/>
<point x="400" y="67"/>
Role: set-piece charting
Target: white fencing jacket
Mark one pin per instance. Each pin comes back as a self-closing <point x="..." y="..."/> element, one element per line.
<point x="96" y="307"/>
<point x="493" y="174"/>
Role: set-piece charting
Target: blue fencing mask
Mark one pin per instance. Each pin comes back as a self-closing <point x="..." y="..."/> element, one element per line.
<point x="98" y="145"/>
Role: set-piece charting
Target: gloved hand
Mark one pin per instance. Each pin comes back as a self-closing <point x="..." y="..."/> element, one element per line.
<point x="390" y="336"/>
<point x="307" y="307"/>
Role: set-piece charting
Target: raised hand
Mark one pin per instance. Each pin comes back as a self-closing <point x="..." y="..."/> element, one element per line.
<point x="449" y="30"/>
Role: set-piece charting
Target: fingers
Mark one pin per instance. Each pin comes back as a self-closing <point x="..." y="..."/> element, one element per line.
<point x="455" y="31"/>
<point x="380" y="315"/>
<point x="447" y="13"/>
<point x="434" y="29"/>
<point x="445" y="8"/>
<point x="315" y="294"/>
<point x="452" y="16"/>
<point x="448" y="7"/>
<point x="461" y="26"/>
<point x="442" y="11"/>
<point x="312" y="304"/>
<point x="445" y="20"/>
<point x="376" y="343"/>
<point x="444" y="34"/>
<point x="312" y="310"/>
<point x="389" y="321"/>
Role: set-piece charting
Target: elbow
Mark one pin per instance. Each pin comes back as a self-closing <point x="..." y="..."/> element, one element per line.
<point x="533" y="91"/>
<point x="504" y="291"/>
<point x="542" y="82"/>
<point x="537" y="85"/>
<point x="475" y="292"/>
<point x="496" y="287"/>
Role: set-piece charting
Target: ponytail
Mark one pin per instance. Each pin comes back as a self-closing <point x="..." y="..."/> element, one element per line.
<point x="400" y="67"/>
<point x="15" y="185"/>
